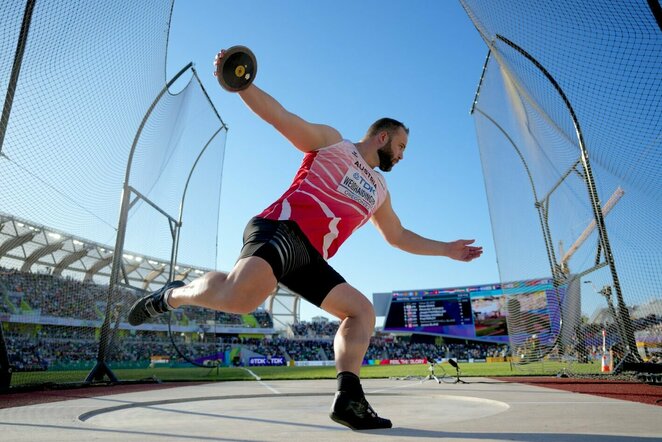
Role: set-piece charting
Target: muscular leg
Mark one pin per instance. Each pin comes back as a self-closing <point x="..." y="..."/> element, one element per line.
<point x="350" y="407"/>
<point x="357" y="324"/>
<point x="241" y="291"/>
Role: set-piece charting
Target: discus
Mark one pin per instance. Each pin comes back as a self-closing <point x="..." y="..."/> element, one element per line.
<point x="236" y="69"/>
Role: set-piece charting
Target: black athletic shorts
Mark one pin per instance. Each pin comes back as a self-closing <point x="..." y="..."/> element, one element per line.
<point x="295" y="262"/>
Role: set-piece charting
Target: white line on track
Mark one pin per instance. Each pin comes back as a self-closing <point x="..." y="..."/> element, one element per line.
<point x="264" y="384"/>
<point x="588" y="402"/>
<point x="396" y="387"/>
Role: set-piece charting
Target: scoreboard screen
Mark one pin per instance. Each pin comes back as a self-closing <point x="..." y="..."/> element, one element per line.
<point x="431" y="311"/>
<point x="472" y="312"/>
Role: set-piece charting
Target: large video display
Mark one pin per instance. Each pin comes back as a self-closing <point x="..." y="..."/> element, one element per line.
<point x="476" y="312"/>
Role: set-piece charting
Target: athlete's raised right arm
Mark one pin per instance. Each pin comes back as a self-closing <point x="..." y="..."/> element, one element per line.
<point x="303" y="135"/>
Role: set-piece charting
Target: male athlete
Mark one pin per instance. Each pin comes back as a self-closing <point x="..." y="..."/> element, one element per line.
<point x="335" y="191"/>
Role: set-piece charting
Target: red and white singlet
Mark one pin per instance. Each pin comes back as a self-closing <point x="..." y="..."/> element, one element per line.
<point x="333" y="193"/>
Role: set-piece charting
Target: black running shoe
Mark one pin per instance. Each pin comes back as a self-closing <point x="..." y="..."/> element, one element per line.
<point x="356" y="413"/>
<point x="153" y="305"/>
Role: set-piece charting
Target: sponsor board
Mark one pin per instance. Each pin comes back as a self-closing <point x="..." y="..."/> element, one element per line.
<point x="314" y="363"/>
<point x="262" y="361"/>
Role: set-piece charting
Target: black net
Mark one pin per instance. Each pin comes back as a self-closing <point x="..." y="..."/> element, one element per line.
<point x="568" y="122"/>
<point x="91" y="91"/>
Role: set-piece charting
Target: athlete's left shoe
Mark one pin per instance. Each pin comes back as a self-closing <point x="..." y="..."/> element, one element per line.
<point x="153" y="305"/>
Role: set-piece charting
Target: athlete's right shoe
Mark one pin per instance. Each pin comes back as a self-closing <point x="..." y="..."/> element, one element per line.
<point x="356" y="413"/>
<point x="153" y="305"/>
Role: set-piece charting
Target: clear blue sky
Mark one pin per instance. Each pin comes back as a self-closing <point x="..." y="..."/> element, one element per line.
<point x="346" y="64"/>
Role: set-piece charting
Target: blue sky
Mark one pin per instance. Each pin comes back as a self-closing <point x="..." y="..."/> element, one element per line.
<point x="346" y="64"/>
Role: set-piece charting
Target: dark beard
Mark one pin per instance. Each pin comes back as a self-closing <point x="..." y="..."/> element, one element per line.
<point x="385" y="154"/>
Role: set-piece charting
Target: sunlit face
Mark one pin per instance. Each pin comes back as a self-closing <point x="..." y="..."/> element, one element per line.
<point x="393" y="150"/>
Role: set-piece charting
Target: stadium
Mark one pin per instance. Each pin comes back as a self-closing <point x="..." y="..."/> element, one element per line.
<point x="111" y="187"/>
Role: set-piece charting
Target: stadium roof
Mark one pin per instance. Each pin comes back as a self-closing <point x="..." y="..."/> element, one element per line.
<point x="34" y="248"/>
<point x="30" y="247"/>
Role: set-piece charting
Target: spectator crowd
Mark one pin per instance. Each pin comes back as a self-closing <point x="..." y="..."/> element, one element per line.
<point x="33" y="344"/>
<point x="63" y="297"/>
<point x="49" y="346"/>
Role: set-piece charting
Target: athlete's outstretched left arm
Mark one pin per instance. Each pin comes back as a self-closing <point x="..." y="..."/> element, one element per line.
<point x="389" y="225"/>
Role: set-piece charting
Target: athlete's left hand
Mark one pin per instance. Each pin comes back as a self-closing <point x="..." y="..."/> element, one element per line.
<point x="461" y="250"/>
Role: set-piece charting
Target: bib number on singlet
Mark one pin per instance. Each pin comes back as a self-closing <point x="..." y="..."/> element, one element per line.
<point x="356" y="186"/>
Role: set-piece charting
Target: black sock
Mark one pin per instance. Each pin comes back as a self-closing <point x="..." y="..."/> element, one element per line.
<point x="164" y="301"/>
<point x="350" y="383"/>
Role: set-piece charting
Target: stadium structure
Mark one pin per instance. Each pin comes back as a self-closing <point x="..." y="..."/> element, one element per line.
<point x="33" y="248"/>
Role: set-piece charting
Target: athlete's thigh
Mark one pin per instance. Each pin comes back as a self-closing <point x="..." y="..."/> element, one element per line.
<point x="252" y="280"/>
<point x="313" y="281"/>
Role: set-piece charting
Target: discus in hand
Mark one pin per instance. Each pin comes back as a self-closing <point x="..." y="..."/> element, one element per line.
<point x="236" y="68"/>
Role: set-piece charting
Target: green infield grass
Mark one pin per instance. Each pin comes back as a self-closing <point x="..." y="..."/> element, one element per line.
<point x="492" y="369"/>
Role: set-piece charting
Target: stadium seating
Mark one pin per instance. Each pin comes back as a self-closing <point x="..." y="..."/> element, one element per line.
<point x="61" y="317"/>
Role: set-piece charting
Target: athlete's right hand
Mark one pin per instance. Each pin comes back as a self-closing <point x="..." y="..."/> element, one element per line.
<point x="217" y="60"/>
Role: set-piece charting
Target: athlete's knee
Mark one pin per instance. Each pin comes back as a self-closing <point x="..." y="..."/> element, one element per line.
<point x="359" y="323"/>
<point x="360" y="309"/>
<point x="344" y="301"/>
<point x="369" y="318"/>
<point x="363" y="309"/>
<point x="367" y="313"/>
<point x="365" y="316"/>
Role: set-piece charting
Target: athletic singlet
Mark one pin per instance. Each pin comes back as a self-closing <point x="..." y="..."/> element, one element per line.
<point x="333" y="193"/>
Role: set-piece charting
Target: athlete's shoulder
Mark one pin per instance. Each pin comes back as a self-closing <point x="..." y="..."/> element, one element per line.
<point x="342" y="144"/>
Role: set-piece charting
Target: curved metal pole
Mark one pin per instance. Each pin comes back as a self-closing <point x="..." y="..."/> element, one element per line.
<point x="101" y="369"/>
<point x="204" y="91"/>
<point x="175" y="247"/>
<point x="146" y="117"/>
<point x="5" y="367"/>
<point x="16" y="69"/>
<point x="550" y="250"/>
<point x="543" y="218"/>
<point x="480" y="82"/>
<point x="175" y="244"/>
<point x="628" y="340"/>
<point x="126" y="192"/>
<point x="544" y="224"/>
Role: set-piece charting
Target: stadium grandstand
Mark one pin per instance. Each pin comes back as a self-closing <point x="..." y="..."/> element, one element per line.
<point x="46" y="330"/>
<point x="54" y="287"/>
<point x="36" y="249"/>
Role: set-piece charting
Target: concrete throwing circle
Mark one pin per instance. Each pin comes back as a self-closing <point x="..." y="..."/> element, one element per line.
<point x="273" y="416"/>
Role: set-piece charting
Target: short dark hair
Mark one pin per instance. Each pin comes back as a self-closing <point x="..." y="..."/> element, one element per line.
<point x="388" y="124"/>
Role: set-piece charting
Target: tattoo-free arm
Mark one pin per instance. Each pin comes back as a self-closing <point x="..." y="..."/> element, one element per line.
<point x="303" y="135"/>
<point x="390" y="227"/>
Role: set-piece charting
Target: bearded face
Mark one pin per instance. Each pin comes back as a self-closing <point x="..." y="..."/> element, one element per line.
<point x="386" y="156"/>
